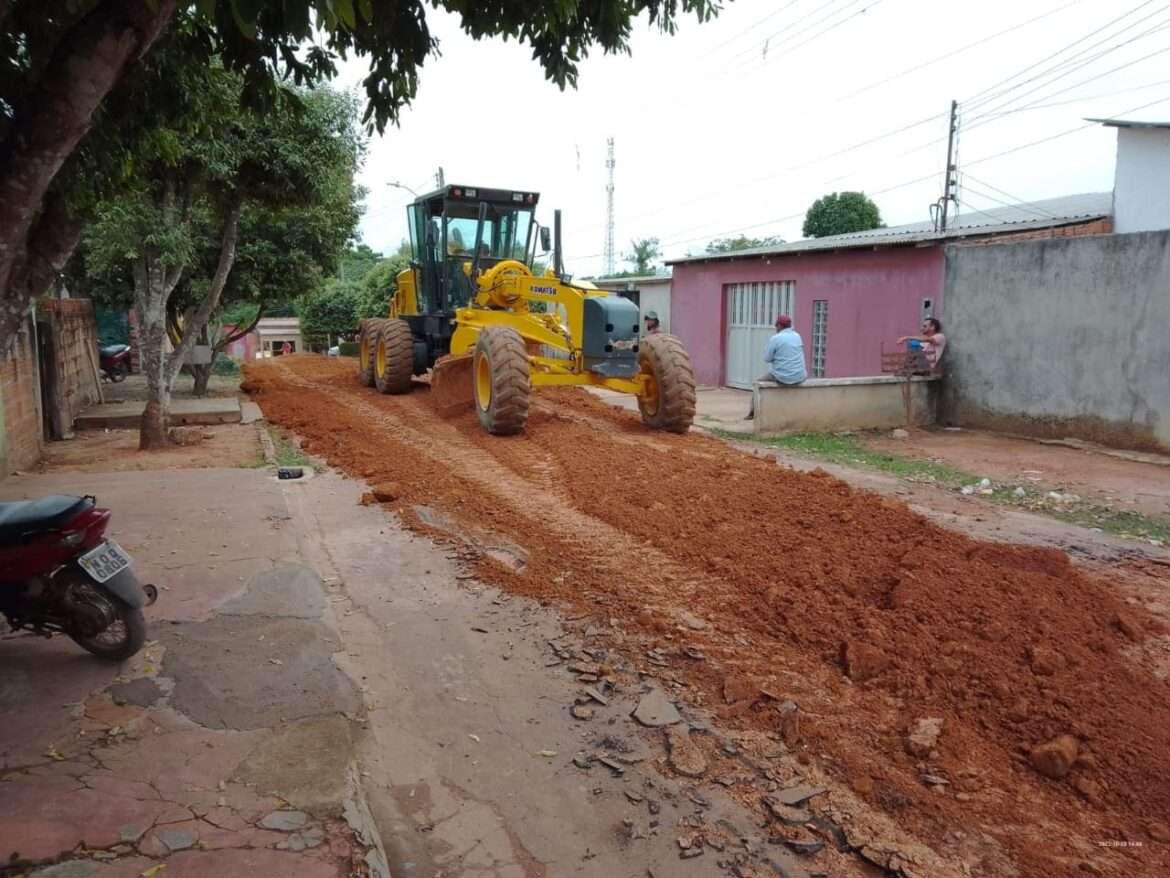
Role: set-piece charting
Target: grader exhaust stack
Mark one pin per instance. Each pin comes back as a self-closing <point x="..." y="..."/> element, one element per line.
<point x="492" y="328"/>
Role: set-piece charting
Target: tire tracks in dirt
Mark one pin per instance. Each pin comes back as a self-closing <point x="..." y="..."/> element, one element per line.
<point x="776" y="571"/>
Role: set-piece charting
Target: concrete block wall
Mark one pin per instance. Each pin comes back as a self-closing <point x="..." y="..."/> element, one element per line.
<point x="1062" y="337"/>
<point x="21" y="439"/>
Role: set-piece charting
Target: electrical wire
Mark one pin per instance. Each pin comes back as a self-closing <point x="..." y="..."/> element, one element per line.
<point x="952" y="53"/>
<point x="996" y="113"/>
<point x="993" y="91"/>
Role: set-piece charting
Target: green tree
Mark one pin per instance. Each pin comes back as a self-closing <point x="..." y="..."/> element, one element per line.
<point x="330" y="312"/>
<point x="379" y="285"/>
<point x="200" y="158"/>
<point x="357" y="261"/>
<point x="66" y="67"/>
<point x="841" y="213"/>
<point x="643" y="252"/>
<point x="742" y="242"/>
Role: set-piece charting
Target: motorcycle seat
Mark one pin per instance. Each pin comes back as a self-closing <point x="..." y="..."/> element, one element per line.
<point x="23" y="517"/>
<point x="112" y="350"/>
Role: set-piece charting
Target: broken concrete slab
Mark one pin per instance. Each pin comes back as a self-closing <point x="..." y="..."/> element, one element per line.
<point x="142" y="692"/>
<point x="685" y="755"/>
<point x="285" y="821"/>
<point x="291" y="591"/>
<point x="224" y="679"/>
<point x="305" y="762"/>
<point x="798" y="794"/>
<point x="656" y="710"/>
<point x="184" y="412"/>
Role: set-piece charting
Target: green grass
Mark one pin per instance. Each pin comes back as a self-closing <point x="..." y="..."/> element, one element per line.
<point x="848" y="450"/>
<point x="287" y="452"/>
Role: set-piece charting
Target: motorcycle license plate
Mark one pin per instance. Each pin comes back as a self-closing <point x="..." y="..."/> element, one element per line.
<point x="105" y="562"/>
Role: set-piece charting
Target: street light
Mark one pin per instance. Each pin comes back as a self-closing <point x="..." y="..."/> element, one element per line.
<point x="398" y="185"/>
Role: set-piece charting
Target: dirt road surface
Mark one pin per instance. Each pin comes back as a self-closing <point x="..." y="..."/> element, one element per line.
<point x="766" y="592"/>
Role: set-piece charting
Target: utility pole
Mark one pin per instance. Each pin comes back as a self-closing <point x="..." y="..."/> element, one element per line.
<point x="439" y="180"/>
<point x="608" y="254"/>
<point x="951" y="176"/>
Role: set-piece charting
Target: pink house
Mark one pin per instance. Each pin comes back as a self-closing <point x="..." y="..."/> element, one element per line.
<point x="849" y="296"/>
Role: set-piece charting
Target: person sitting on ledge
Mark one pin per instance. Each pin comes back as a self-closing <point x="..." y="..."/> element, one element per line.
<point x="932" y="342"/>
<point x="785" y="358"/>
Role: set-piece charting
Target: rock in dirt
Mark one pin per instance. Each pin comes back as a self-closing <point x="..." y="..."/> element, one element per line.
<point x="862" y="661"/>
<point x="285" y="821"/>
<point x="738" y="687"/>
<point x="789" y="814"/>
<point x="1159" y="832"/>
<point x="1054" y="758"/>
<point x="789" y="712"/>
<point x="685" y="755"/>
<point x="582" y="712"/>
<point x="799" y="794"/>
<point x="1045" y="661"/>
<point x="923" y="736"/>
<point x="1128" y="625"/>
<point x="655" y="710"/>
<point x="386" y="492"/>
<point x="692" y="621"/>
<point x="899" y="433"/>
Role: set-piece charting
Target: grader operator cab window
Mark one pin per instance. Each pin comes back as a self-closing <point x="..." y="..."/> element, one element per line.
<point x="443" y="227"/>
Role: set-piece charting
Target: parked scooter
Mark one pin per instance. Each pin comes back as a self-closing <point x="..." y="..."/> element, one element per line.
<point x="59" y="574"/>
<point x="115" y="361"/>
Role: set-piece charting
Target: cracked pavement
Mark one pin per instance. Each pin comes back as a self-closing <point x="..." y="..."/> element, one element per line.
<point x="226" y="747"/>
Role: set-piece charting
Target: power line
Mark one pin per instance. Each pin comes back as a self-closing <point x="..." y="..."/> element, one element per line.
<point x="1084" y="98"/>
<point x="789" y="49"/>
<point x="952" y="53"/>
<point x="1051" y="79"/>
<point x="1016" y="204"/>
<point x="985" y="95"/>
<point x="748" y="30"/>
<point x="998" y="112"/>
<point x="752" y="51"/>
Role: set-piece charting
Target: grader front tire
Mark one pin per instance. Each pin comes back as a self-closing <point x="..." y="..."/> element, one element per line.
<point x="393" y="357"/>
<point x="367" y="339"/>
<point x="501" y="380"/>
<point x="669" y="403"/>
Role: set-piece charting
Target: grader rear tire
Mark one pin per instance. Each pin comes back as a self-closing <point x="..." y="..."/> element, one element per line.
<point x="367" y="337"/>
<point x="670" y="403"/>
<point x="393" y="357"/>
<point x="501" y="380"/>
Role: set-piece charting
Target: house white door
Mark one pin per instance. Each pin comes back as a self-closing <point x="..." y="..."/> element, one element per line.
<point x="751" y="321"/>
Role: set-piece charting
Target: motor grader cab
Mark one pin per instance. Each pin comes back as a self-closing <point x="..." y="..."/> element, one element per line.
<point x="472" y="310"/>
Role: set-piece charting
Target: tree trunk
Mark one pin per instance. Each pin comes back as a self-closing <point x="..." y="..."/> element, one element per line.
<point x="48" y="127"/>
<point x="202" y="378"/>
<point x="152" y="287"/>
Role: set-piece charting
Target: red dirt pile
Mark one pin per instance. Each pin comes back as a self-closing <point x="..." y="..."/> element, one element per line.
<point x="870" y="618"/>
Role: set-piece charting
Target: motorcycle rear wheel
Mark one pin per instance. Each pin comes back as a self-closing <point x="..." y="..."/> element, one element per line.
<point x="122" y="639"/>
<point x="119" y="372"/>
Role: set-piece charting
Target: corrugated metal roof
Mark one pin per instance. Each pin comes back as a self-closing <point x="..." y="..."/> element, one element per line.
<point x="1130" y="123"/>
<point x="642" y="279"/>
<point x="1048" y="213"/>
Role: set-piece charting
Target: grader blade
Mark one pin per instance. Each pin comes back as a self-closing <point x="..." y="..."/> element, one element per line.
<point x="451" y="388"/>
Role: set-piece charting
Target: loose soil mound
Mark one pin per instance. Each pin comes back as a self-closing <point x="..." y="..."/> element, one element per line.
<point x="864" y="613"/>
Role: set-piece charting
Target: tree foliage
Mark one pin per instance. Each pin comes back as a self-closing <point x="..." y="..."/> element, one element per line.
<point x="840" y="213"/>
<point x="742" y="242"/>
<point x="643" y="252"/>
<point x="65" y="66"/>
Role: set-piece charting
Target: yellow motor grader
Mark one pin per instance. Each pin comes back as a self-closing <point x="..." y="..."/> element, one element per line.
<point x="473" y="311"/>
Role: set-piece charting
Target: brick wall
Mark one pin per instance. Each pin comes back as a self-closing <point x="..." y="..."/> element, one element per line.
<point x="20" y="417"/>
<point x="75" y="383"/>
<point x="1103" y="226"/>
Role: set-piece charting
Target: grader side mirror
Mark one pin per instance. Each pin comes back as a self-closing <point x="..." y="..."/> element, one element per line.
<point x="545" y="239"/>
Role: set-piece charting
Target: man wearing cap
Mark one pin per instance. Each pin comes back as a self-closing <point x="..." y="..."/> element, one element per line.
<point x="651" y="320"/>
<point x="785" y="358"/>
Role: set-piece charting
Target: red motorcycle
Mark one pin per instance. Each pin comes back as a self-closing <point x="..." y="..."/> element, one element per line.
<point x="59" y="574"/>
<point x="115" y="361"/>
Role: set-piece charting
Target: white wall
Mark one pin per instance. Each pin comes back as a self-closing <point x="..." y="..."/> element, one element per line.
<point x="656" y="297"/>
<point x="1141" y="188"/>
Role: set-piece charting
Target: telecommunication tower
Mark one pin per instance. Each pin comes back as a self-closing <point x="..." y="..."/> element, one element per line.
<point x="609" y="256"/>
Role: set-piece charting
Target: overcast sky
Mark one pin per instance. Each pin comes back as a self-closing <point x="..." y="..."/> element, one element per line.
<point x="739" y="124"/>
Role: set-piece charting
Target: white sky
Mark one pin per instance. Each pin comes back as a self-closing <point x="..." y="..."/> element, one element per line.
<point x="713" y="138"/>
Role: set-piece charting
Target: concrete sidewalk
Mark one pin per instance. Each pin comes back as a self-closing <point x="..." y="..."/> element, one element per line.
<point x="226" y="747"/>
<point x="718" y="408"/>
<point x="127" y="414"/>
